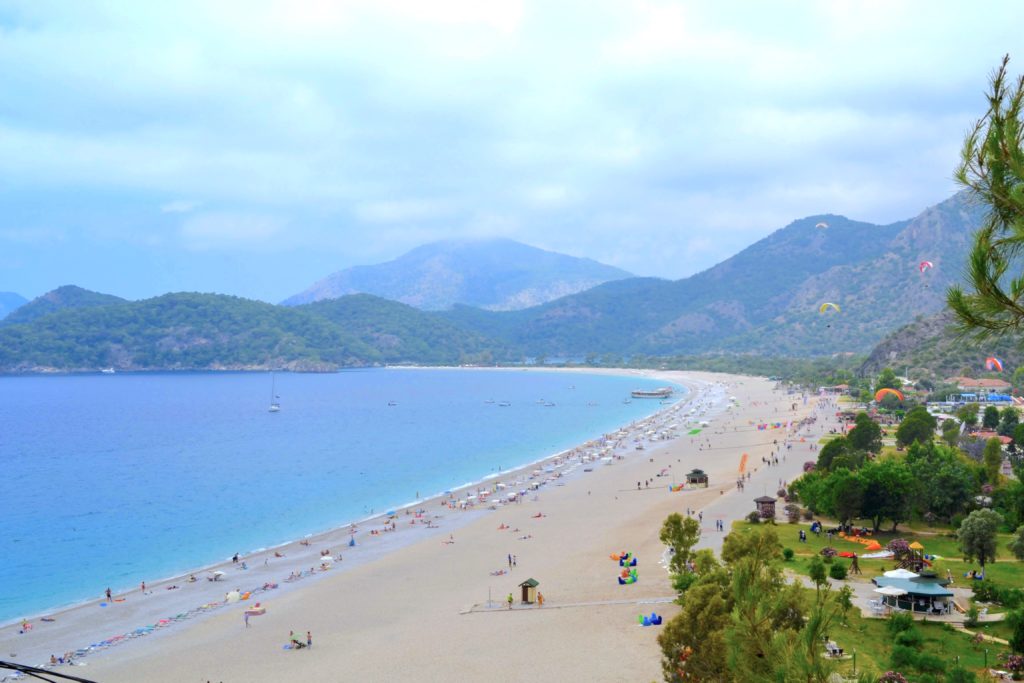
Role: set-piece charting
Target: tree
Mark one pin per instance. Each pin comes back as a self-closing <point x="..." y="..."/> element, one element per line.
<point x="845" y="495"/>
<point x="990" y="419"/>
<point x="1015" y="620"/>
<point x="992" y="169"/>
<point x="950" y="432"/>
<point x="992" y="457"/>
<point x="693" y="642"/>
<point x="680" y="535"/>
<point x="968" y="414"/>
<point x="944" y="481"/>
<point x="887" y="380"/>
<point x="830" y="450"/>
<point x="1008" y="421"/>
<point x="1017" y="544"/>
<point x="1018" y="437"/>
<point x="915" y="428"/>
<point x="888" y="490"/>
<point x="866" y="435"/>
<point x="977" y="536"/>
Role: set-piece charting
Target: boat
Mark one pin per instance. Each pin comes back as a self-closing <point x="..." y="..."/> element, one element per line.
<point x="108" y="371"/>
<point x="275" y="407"/>
<point x="626" y="401"/>
<point x="504" y="404"/>
<point x="549" y="405"/>
<point x="392" y="404"/>
<point x="662" y="392"/>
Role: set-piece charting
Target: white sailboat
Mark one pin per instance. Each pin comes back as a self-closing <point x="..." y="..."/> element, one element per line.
<point x="274" y="405"/>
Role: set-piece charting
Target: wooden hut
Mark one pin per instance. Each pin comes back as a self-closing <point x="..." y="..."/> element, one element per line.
<point x="765" y="507"/>
<point x="529" y="588"/>
<point x="697" y="478"/>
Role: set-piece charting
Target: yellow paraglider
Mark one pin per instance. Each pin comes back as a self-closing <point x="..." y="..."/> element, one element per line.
<point x="822" y="224"/>
<point x="827" y="305"/>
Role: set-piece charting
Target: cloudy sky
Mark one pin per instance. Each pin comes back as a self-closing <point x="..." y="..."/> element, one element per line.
<point x="252" y="147"/>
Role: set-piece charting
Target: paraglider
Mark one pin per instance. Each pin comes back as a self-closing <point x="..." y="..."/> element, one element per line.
<point x="924" y="265"/>
<point x="827" y="305"/>
<point x="994" y="364"/>
<point x="882" y="393"/>
<point x="822" y="224"/>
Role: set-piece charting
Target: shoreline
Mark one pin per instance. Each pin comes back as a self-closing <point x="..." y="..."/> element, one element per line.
<point x="331" y="535"/>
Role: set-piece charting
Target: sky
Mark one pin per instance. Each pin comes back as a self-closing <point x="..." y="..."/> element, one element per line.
<point x="252" y="147"/>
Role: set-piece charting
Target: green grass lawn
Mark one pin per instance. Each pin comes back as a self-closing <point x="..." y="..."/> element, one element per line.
<point x="1006" y="571"/>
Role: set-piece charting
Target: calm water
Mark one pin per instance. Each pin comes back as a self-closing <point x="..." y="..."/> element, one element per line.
<point x="110" y="480"/>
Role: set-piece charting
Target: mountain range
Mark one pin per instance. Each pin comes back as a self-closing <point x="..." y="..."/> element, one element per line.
<point x="765" y="300"/>
<point x="493" y="274"/>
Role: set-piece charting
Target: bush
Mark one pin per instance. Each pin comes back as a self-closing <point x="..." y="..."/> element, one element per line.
<point x="787" y="554"/>
<point x="899" y="622"/>
<point x="910" y="638"/>
<point x="682" y="582"/>
<point x="960" y="675"/>
<point x="971" y="619"/>
<point x="985" y="591"/>
<point x="892" y="677"/>
<point x="837" y="571"/>
<point x="1011" y="598"/>
<point x="903" y="657"/>
<point x="792" y="513"/>
<point x="927" y="662"/>
<point x="807" y="514"/>
<point x="754" y="517"/>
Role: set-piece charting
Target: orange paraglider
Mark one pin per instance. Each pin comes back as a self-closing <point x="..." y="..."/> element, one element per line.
<point x="882" y="393"/>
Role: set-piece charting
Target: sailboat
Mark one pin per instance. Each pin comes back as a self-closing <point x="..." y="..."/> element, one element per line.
<point x="274" y="405"/>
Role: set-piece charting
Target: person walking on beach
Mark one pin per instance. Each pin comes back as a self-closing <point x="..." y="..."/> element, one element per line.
<point x="246" y="619"/>
<point x="108" y="595"/>
<point x="143" y="586"/>
<point x="309" y="639"/>
<point x="509" y="599"/>
<point x="514" y="558"/>
<point x="510" y="560"/>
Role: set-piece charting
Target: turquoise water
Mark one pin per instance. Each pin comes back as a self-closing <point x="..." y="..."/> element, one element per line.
<point x="114" y="479"/>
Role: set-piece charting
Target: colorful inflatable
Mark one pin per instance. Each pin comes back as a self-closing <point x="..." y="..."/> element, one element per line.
<point x="994" y="364"/>
<point x="882" y="393"/>
<point x="628" y="577"/>
<point x="627" y="563"/>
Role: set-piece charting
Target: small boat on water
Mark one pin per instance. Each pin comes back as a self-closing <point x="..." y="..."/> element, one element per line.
<point x="108" y="371"/>
<point x="392" y="404"/>
<point x="662" y="392"/>
<point x="275" y="406"/>
<point x="504" y="404"/>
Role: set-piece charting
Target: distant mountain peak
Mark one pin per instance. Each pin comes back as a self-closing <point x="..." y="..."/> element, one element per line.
<point x="10" y="302"/>
<point x="494" y="273"/>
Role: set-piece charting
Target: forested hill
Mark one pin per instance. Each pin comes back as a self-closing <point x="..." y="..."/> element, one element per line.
<point x="766" y="298"/>
<point x="930" y="346"/>
<point x="68" y="296"/>
<point x="494" y="274"/>
<point x="188" y="331"/>
<point x="10" y="301"/>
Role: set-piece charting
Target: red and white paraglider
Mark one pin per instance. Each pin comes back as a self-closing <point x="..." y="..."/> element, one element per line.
<point x="924" y="265"/>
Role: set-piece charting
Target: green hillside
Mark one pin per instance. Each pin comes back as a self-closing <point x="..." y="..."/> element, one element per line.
<point x="68" y="296"/>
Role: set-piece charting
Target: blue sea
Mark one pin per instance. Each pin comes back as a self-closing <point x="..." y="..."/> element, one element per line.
<point x="114" y="479"/>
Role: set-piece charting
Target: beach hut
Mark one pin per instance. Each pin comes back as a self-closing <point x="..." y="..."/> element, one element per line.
<point x="765" y="507"/>
<point x="697" y="477"/>
<point x="529" y="588"/>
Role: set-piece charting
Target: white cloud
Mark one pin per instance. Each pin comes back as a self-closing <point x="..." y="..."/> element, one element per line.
<point x="180" y="206"/>
<point x="228" y="230"/>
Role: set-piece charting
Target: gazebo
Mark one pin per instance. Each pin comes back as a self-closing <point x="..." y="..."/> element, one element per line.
<point x="697" y="478"/>
<point x="920" y="594"/>
<point x="765" y="507"/>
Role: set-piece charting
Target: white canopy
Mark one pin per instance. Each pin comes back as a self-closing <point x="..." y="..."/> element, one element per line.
<point x="900" y="573"/>
<point x="890" y="590"/>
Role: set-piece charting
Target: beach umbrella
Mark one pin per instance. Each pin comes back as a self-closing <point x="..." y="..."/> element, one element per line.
<point x="890" y="590"/>
<point x="916" y="546"/>
<point x="327" y="558"/>
<point x="872" y="546"/>
<point x="232" y="596"/>
<point x="900" y="574"/>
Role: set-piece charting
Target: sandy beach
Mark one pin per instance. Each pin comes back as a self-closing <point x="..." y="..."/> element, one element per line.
<point x="427" y="601"/>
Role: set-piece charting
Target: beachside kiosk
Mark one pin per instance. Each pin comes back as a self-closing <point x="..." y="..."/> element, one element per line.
<point x="529" y="588"/>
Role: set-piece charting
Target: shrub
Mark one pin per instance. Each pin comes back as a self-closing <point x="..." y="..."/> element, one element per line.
<point x="928" y="662"/>
<point x="892" y="677"/>
<point x="910" y="638"/>
<point x="899" y="622"/>
<point x="837" y="571"/>
<point x="829" y="552"/>
<point x="1011" y="598"/>
<point x="807" y="514"/>
<point x="985" y="591"/>
<point x="787" y="554"/>
<point x="793" y="513"/>
<point x="971" y="619"/>
<point x="960" y="675"/>
<point x="903" y="657"/>
<point x="754" y="517"/>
